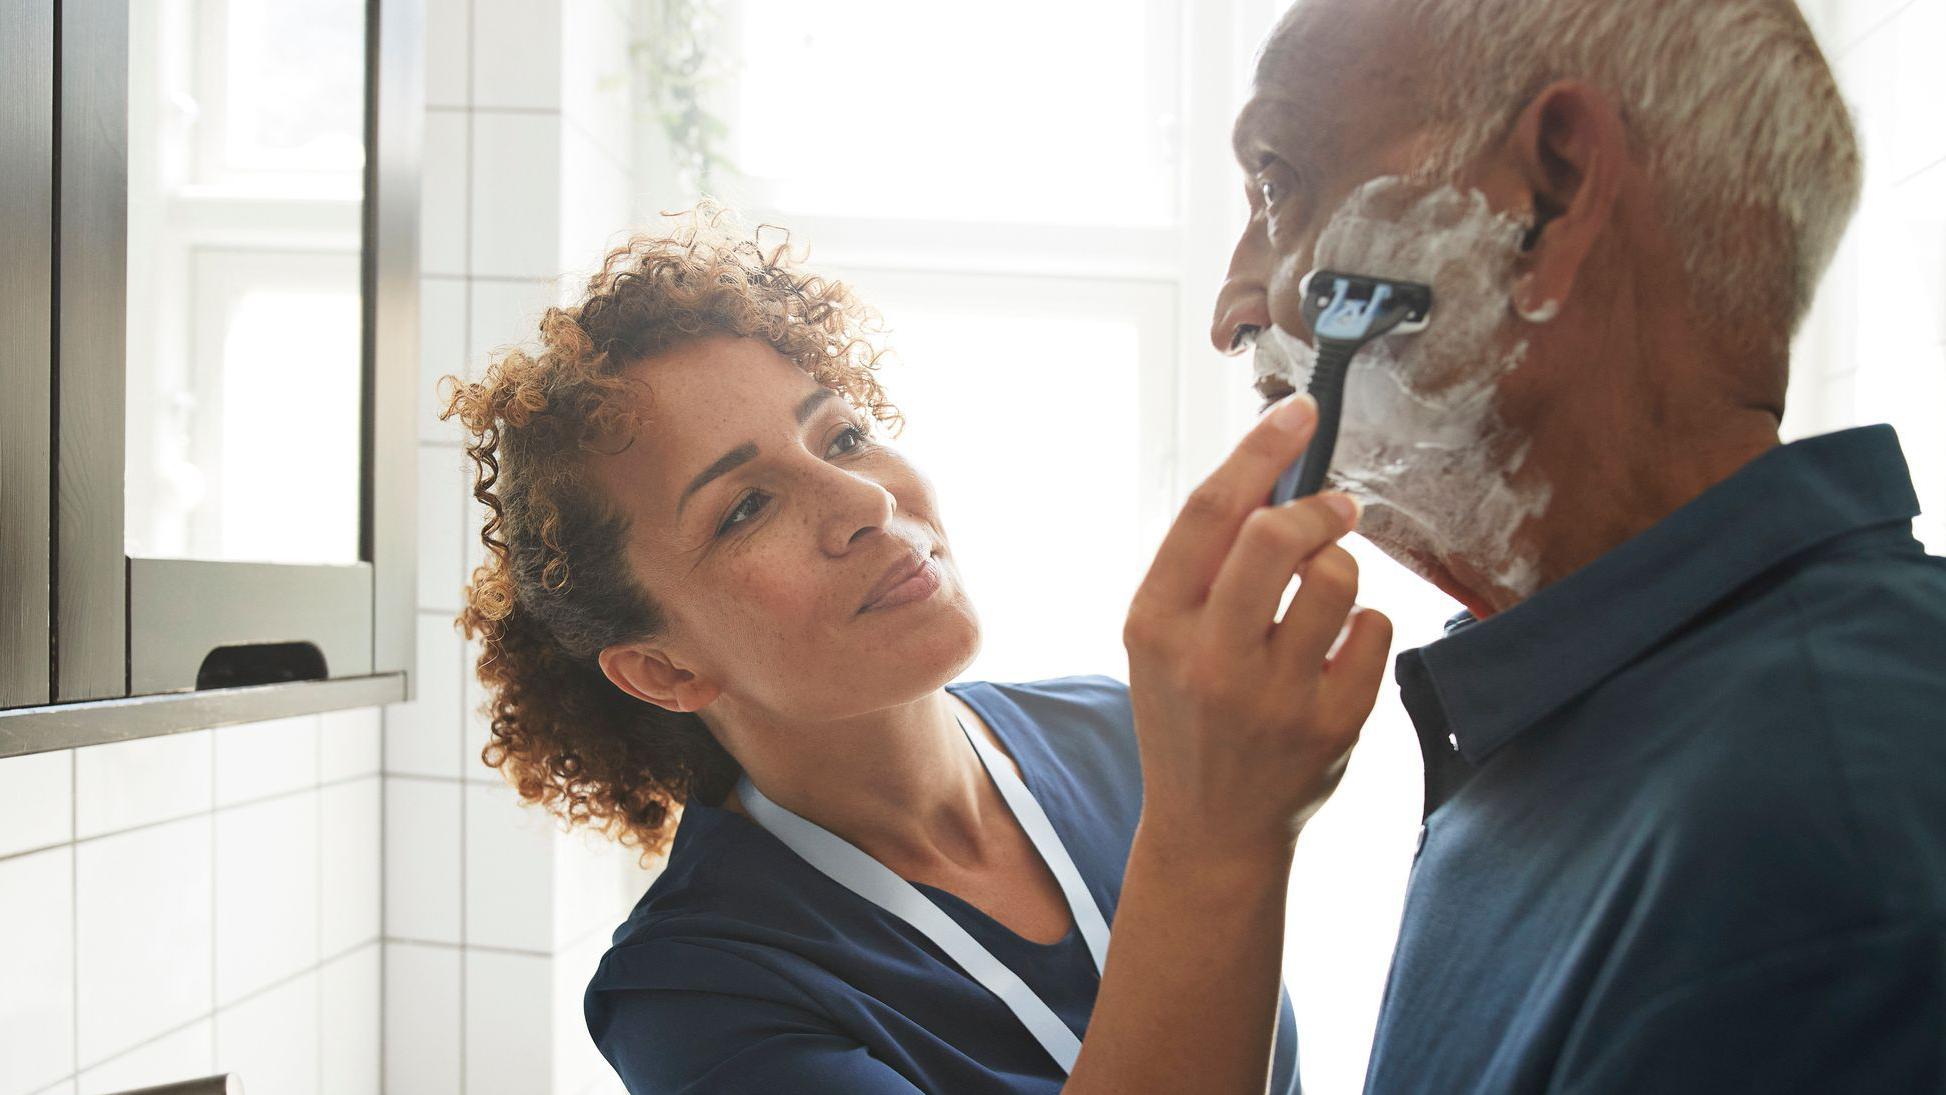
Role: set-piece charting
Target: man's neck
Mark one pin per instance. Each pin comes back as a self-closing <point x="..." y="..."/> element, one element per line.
<point x="1601" y="498"/>
<point x="903" y="784"/>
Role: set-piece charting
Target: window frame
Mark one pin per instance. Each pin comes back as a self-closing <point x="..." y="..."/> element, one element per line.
<point x="101" y="646"/>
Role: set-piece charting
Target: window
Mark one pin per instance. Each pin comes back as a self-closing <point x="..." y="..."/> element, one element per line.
<point x="1045" y="237"/>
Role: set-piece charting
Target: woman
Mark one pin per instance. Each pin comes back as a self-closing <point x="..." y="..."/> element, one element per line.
<point x="719" y="619"/>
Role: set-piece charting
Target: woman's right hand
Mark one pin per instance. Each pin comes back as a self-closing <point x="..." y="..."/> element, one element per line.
<point x="1245" y="722"/>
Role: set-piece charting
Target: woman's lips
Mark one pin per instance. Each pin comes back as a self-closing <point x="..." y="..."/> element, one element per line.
<point x="924" y="583"/>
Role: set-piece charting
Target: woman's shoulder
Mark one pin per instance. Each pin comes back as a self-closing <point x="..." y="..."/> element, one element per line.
<point x="1079" y="726"/>
<point x="1088" y="702"/>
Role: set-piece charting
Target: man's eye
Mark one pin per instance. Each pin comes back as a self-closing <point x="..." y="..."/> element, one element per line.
<point x="1276" y="183"/>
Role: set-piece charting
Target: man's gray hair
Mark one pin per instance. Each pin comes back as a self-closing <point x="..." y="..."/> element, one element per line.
<point x="1731" y="103"/>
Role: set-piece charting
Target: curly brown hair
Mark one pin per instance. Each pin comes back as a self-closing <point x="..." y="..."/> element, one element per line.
<point x="555" y="589"/>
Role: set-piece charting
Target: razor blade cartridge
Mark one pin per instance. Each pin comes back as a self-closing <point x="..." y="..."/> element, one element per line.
<point x="1356" y="308"/>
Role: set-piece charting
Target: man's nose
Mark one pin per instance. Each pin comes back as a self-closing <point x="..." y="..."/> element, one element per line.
<point x="1242" y="304"/>
<point x="1239" y="311"/>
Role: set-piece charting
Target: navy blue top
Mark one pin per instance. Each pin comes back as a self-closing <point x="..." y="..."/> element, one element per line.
<point x="745" y="969"/>
<point x="1688" y="832"/>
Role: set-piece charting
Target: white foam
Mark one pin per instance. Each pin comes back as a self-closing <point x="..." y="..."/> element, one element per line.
<point x="1421" y="444"/>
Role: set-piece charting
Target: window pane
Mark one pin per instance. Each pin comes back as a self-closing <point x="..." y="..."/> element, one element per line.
<point x="292" y="93"/>
<point x="1012" y="110"/>
<point x="1034" y="457"/>
<point x="245" y="190"/>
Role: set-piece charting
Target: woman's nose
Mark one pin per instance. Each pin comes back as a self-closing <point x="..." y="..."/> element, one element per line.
<point x="854" y="505"/>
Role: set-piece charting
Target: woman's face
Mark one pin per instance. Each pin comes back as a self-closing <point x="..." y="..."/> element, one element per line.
<point x="765" y="523"/>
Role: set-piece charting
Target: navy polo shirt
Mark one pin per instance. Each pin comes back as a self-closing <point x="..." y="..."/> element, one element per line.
<point x="1686" y="821"/>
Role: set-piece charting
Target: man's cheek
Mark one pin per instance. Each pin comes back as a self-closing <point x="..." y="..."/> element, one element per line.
<point x="1284" y="291"/>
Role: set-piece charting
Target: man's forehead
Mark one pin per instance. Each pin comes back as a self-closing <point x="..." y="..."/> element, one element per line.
<point x="1330" y="63"/>
<point x="1344" y="45"/>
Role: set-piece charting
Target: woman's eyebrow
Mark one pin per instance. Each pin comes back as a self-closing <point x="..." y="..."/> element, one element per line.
<point x="746" y="452"/>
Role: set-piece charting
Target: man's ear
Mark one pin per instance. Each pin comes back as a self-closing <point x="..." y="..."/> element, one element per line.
<point x="646" y="673"/>
<point x="1570" y="149"/>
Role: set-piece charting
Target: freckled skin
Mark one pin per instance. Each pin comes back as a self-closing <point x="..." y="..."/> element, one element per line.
<point x="767" y="613"/>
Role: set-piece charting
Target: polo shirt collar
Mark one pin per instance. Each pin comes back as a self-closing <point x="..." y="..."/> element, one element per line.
<point x="1494" y="678"/>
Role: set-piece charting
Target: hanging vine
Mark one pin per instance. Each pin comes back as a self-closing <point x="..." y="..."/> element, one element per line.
<point x="682" y="62"/>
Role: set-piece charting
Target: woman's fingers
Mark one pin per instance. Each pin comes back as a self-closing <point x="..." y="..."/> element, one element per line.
<point x="1275" y="543"/>
<point x="1326" y="592"/>
<point x="1356" y="670"/>
<point x="1201" y="538"/>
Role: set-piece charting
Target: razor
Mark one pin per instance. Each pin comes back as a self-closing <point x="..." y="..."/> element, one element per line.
<point x="1346" y="313"/>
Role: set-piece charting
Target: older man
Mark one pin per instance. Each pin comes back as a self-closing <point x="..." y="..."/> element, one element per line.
<point x="1686" y="750"/>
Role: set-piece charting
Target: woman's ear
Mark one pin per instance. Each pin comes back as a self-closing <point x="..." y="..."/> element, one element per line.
<point x="1569" y="148"/>
<point x="646" y="673"/>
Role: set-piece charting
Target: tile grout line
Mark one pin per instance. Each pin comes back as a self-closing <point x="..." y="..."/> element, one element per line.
<point x="1916" y="172"/>
<point x="317" y="968"/>
<point x="480" y="948"/>
<point x="74" y="910"/>
<point x="472" y="139"/>
<point x="1884" y="21"/>
<point x="211" y="812"/>
<point x="317" y="874"/>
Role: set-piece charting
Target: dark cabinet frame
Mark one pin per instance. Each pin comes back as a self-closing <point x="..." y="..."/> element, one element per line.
<point x="96" y="646"/>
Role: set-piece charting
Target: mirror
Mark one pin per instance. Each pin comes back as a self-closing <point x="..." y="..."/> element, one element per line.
<point x="245" y="209"/>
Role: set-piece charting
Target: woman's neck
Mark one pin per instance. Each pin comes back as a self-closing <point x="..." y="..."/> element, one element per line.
<point x="903" y="785"/>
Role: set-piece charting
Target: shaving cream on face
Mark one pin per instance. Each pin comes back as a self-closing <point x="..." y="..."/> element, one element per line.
<point x="1420" y="443"/>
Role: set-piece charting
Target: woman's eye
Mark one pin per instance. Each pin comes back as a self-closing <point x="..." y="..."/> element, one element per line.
<point x="731" y="520"/>
<point x="752" y="504"/>
<point x="854" y="432"/>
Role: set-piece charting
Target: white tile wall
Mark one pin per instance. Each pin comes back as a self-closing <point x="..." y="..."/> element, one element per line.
<point x="478" y="723"/>
<point x="182" y="1054"/>
<point x="132" y="783"/>
<point x="37" y="968"/>
<point x="423" y="1011"/>
<point x="517" y="58"/>
<point x="577" y="1063"/>
<point x="443" y="493"/>
<point x="143" y="934"/>
<point x="266" y="893"/>
<point x="504" y="313"/>
<point x="449" y="24"/>
<point x="349" y="1023"/>
<point x="162" y="928"/>
<point x="271" y="1038"/>
<point x="423" y="896"/>
<point x="348" y="744"/>
<point x="350" y="867"/>
<point x="422" y="735"/>
<point x="442" y="351"/>
<point x="509" y="1023"/>
<point x="509" y="872"/>
<point x="442" y="206"/>
<point x="516" y="194"/>
<point x="265" y="758"/>
<point x="36" y="801"/>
